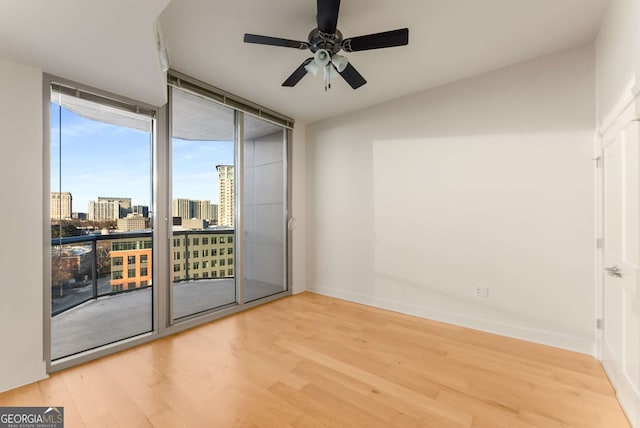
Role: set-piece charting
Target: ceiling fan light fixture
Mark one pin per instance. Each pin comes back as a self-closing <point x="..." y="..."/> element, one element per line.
<point x="322" y="57"/>
<point x="340" y="62"/>
<point x="312" y="68"/>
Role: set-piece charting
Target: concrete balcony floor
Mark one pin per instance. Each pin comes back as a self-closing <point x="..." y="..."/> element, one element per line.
<point x="112" y="318"/>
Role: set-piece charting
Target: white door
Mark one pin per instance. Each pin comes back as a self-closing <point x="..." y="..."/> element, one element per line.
<point x="621" y="262"/>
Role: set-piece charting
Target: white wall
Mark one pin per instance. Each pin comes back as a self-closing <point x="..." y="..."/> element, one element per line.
<point x="485" y="182"/>
<point x="21" y="347"/>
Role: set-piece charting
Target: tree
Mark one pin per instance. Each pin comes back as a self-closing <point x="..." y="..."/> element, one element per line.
<point x="60" y="272"/>
<point x="103" y="254"/>
<point x="68" y="229"/>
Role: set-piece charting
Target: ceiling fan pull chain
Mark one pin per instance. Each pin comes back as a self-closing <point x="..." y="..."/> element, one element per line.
<point x="327" y="82"/>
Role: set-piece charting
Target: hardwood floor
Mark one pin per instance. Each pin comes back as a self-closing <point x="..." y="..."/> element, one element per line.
<point x="314" y="361"/>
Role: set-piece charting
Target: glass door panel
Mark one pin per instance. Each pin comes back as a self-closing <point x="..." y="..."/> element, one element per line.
<point x="203" y="189"/>
<point x="101" y="225"/>
<point x="264" y="208"/>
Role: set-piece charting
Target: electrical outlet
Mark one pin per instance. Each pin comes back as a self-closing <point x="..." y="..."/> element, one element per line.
<point x="481" y="291"/>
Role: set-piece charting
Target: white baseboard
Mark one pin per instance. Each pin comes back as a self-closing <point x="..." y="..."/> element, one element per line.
<point x="628" y="396"/>
<point x="22" y="375"/>
<point x="571" y="343"/>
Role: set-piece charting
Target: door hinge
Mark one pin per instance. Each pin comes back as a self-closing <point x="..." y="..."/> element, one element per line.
<point x="600" y="243"/>
<point x="599" y="323"/>
<point x="598" y="161"/>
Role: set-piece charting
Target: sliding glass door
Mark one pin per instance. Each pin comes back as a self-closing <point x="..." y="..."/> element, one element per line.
<point x="203" y="204"/>
<point x="205" y="136"/>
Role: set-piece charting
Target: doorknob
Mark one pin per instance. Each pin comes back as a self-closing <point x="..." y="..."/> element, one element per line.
<point x="614" y="271"/>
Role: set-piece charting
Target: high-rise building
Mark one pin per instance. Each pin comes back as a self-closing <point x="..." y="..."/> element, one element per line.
<point x="204" y="210"/>
<point x="214" y="214"/>
<point x="124" y="203"/>
<point x="226" y="194"/>
<point x="103" y="210"/>
<point x="143" y="210"/>
<point x="187" y="209"/>
<point x="61" y="204"/>
<point x="181" y="208"/>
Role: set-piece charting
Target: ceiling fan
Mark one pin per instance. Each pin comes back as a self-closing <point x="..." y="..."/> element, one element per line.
<point x="326" y="41"/>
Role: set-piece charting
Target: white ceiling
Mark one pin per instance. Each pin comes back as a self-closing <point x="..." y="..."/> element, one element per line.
<point x="111" y="44"/>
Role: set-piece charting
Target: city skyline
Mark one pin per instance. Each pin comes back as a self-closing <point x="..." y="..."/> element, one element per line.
<point x="102" y="159"/>
<point x="210" y="208"/>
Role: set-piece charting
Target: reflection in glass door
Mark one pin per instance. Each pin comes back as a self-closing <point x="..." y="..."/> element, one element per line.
<point x="203" y="201"/>
<point x="264" y="209"/>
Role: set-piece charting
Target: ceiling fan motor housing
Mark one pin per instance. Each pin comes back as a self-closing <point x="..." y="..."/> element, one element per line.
<point x="332" y="43"/>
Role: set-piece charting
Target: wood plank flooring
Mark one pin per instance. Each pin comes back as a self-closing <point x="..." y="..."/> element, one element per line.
<point x="314" y="361"/>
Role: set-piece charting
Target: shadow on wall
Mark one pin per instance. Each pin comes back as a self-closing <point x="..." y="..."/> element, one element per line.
<point x="484" y="182"/>
<point x="487" y="211"/>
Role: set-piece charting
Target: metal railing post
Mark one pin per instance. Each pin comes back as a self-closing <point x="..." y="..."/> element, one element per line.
<point x="94" y="267"/>
<point x="187" y="257"/>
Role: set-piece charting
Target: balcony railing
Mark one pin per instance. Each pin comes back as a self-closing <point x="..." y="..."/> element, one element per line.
<point x="88" y="267"/>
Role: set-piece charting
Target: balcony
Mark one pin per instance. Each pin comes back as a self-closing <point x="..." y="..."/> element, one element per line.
<point x="91" y="306"/>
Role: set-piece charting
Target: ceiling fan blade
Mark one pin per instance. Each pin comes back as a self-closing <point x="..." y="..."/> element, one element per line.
<point x="275" y="41"/>
<point x="297" y="75"/>
<point x="353" y="78"/>
<point x="328" y="15"/>
<point x="387" y="39"/>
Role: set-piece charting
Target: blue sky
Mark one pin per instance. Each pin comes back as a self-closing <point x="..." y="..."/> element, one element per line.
<point x="99" y="159"/>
